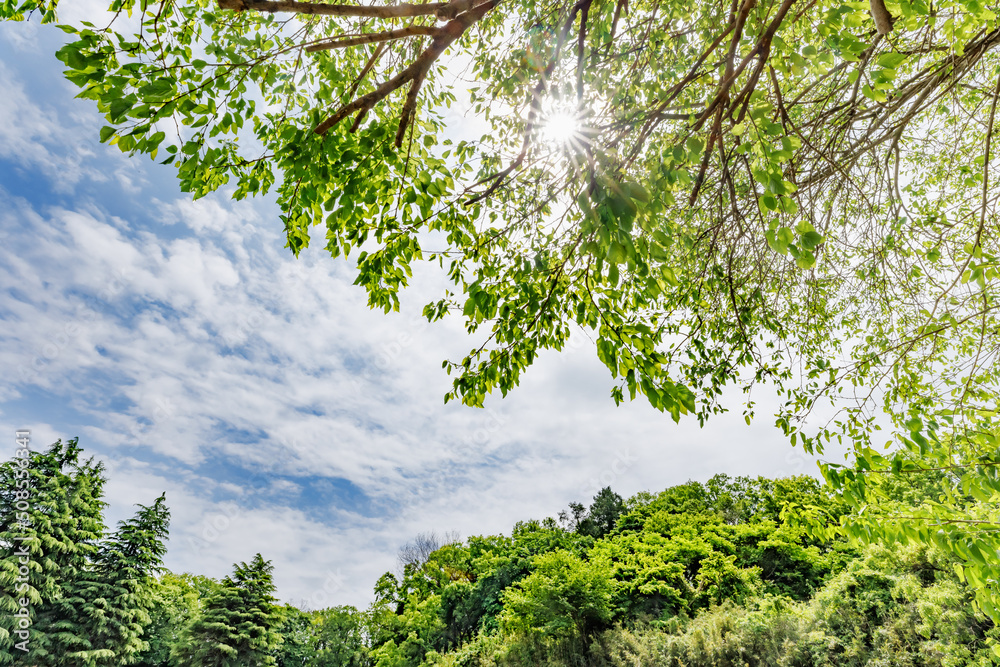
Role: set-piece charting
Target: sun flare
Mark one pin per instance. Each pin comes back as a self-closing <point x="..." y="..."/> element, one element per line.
<point x="562" y="128"/>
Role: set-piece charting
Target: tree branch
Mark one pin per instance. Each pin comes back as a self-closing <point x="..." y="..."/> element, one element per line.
<point x="442" y="10"/>
<point x="762" y="49"/>
<point x="367" y="68"/>
<point x="409" y="108"/>
<point x="386" y="36"/>
<point x="417" y="70"/>
<point x="883" y="19"/>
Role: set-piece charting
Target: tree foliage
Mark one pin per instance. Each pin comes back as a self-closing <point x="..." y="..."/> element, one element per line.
<point x="178" y="599"/>
<point x="683" y="579"/>
<point x="59" y="530"/>
<point x="751" y="187"/>
<point x="793" y="193"/>
<point x="599" y="519"/>
<point x="720" y="573"/>
<point x="237" y="625"/>
<point x="109" y="604"/>
<point x="86" y="595"/>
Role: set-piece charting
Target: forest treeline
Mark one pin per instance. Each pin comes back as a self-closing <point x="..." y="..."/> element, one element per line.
<point x="715" y="574"/>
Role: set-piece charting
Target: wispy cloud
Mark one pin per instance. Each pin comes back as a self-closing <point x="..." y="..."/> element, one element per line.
<point x="188" y="349"/>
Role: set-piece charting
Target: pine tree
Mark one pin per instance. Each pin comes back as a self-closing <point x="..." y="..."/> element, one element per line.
<point x="112" y="599"/>
<point x="87" y="596"/>
<point x="238" y="625"/>
<point x="50" y="524"/>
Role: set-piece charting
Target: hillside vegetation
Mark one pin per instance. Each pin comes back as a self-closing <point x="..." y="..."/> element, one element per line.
<point x="716" y="574"/>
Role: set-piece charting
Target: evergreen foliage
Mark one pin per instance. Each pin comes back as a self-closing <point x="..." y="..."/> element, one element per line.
<point x="87" y="594"/>
<point x="238" y="625"/>
<point x="113" y="597"/>
<point x="54" y="542"/>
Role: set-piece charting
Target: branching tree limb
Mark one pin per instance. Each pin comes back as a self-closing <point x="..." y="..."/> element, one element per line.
<point x="386" y="36"/>
<point x="415" y="73"/>
<point x="441" y="10"/>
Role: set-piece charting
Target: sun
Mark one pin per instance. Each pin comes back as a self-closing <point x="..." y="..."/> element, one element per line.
<point x="562" y="128"/>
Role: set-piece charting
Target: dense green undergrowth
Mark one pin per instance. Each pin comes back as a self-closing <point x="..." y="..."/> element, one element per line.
<point x="717" y="574"/>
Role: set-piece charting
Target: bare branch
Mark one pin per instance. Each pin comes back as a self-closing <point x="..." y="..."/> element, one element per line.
<point x="416" y="70"/>
<point x="883" y="19"/>
<point x="442" y="10"/>
<point x="385" y="36"/>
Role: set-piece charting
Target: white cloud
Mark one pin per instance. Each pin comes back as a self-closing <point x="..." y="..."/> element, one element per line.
<point x="34" y="136"/>
<point x="166" y="332"/>
<point x="185" y="334"/>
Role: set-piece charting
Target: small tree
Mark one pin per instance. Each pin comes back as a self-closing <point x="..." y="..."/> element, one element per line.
<point x="50" y="525"/>
<point x="298" y="638"/>
<point x="600" y="519"/>
<point x="339" y="637"/>
<point x="564" y="598"/>
<point x="604" y="512"/>
<point x="178" y="599"/>
<point x="239" y="622"/>
<point x="113" y="598"/>
<point x="417" y="552"/>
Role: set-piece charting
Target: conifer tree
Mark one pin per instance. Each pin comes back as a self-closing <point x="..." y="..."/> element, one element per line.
<point x="50" y="524"/>
<point x="69" y="596"/>
<point x="112" y="599"/>
<point x="238" y="624"/>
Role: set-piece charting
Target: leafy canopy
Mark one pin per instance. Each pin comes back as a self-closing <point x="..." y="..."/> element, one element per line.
<point x="797" y="193"/>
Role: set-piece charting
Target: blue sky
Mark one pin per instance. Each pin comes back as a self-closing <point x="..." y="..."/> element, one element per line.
<point x="187" y="348"/>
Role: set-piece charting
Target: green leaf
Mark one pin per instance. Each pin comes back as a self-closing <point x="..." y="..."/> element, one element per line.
<point x="781" y="239"/>
<point x="616" y="253"/>
<point x="810" y="240"/>
<point x="118" y="108"/>
<point x="695" y="145"/>
<point x="891" y="60"/>
<point x="873" y="94"/>
<point x="789" y="206"/>
<point x="805" y="260"/>
<point x="637" y="192"/>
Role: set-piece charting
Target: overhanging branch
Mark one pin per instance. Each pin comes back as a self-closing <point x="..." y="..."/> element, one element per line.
<point x="386" y="36"/>
<point x="442" y="10"/>
<point x="416" y="72"/>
